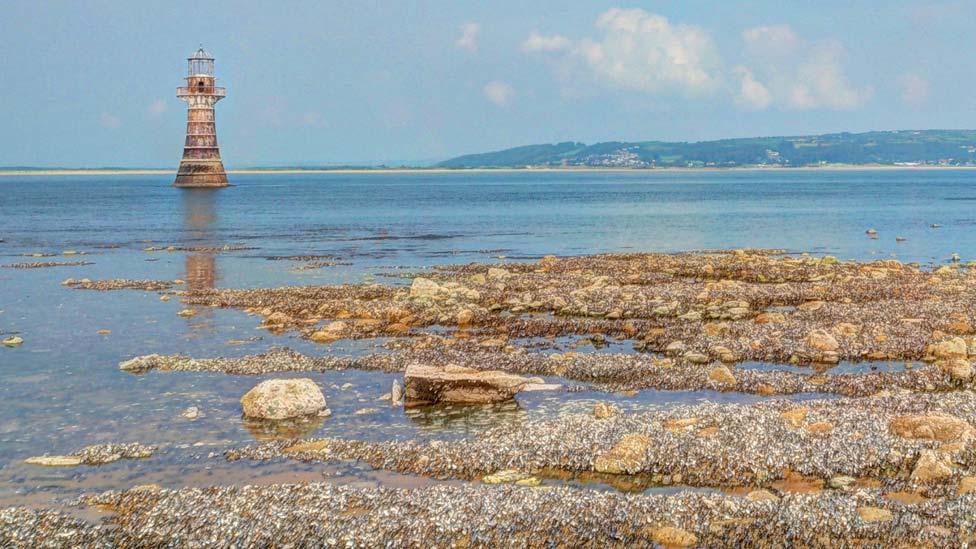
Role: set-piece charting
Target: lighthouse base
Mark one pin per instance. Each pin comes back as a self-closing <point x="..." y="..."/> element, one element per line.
<point x="201" y="174"/>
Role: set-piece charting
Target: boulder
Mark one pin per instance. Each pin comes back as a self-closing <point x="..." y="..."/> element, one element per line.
<point x="603" y="410"/>
<point x="949" y="348"/>
<point x="680" y="425"/>
<point x="967" y="485"/>
<point x="847" y="329"/>
<point x="959" y="324"/>
<point x="669" y="536"/>
<point x="874" y="514"/>
<point x="141" y="364"/>
<point x="424" y="288"/>
<point x="277" y="318"/>
<point x="430" y="384"/>
<point x="332" y="331"/>
<point x="284" y="398"/>
<point x="821" y="340"/>
<point x="721" y="374"/>
<point x="495" y="273"/>
<point x="797" y="416"/>
<point x="770" y="318"/>
<point x="959" y="369"/>
<point x="626" y="457"/>
<point x="762" y="495"/>
<point x="724" y="354"/>
<point x="465" y="318"/>
<point x="932" y="466"/>
<point x="819" y="428"/>
<point x="715" y="329"/>
<point x="941" y="428"/>
<point x="675" y="348"/>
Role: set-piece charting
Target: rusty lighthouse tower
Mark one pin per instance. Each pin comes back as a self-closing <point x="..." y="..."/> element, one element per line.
<point x="201" y="165"/>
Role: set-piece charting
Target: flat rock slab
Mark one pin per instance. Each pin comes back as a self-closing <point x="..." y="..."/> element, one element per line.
<point x="54" y="461"/>
<point x="430" y="385"/>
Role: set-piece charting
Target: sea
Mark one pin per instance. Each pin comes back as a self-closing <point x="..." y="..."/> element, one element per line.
<point x="62" y="389"/>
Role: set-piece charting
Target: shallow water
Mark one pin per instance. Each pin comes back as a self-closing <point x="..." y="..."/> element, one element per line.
<point x="62" y="390"/>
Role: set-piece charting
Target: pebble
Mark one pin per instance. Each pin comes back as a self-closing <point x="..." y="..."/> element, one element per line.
<point x="191" y="413"/>
<point x="366" y="411"/>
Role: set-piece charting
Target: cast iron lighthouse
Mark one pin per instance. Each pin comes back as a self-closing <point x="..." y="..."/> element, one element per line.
<point x="201" y="165"/>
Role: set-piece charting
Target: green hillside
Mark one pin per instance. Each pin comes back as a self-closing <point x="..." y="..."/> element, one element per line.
<point x="909" y="147"/>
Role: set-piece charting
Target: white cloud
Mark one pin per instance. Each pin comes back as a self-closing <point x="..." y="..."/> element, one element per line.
<point x="469" y="37"/>
<point x="640" y="51"/>
<point x="771" y="41"/>
<point x="752" y="95"/>
<point x="795" y="73"/>
<point x="914" y="89"/>
<point x="645" y="52"/>
<point x="498" y="92"/>
<point x="110" y="121"/>
<point x="157" y="108"/>
<point x="538" y="42"/>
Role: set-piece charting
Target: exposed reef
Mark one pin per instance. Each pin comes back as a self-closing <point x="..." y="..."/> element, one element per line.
<point x="491" y="516"/>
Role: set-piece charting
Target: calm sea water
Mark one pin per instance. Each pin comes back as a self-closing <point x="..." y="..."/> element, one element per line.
<point x="62" y="389"/>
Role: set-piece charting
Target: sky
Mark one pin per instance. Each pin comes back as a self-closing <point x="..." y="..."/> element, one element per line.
<point x="92" y="84"/>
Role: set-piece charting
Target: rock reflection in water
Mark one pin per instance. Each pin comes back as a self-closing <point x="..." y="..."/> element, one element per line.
<point x="469" y="419"/>
<point x="286" y="429"/>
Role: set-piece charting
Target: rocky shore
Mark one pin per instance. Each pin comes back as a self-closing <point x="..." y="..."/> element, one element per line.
<point x="611" y="372"/>
<point x="731" y="307"/>
<point x="46" y="264"/>
<point x="492" y="516"/>
<point x="882" y="452"/>
<point x="902" y="441"/>
<point x="97" y="454"/>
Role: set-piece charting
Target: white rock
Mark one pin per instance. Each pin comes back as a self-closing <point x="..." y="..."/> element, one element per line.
<point x="283" y="399"/>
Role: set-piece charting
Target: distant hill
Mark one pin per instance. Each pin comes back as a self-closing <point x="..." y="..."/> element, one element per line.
<point x="909" y="147"/>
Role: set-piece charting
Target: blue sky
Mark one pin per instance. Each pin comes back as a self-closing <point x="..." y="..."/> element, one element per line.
<point x="311" y="83"/>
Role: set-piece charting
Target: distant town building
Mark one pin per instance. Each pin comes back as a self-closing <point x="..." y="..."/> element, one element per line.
<point x="201" y="165"/>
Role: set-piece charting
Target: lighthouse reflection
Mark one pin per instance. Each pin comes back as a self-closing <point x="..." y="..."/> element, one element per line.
<point x="200" y="234"/>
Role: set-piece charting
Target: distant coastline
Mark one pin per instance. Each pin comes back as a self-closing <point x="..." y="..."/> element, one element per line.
<point x="436" y="170"/>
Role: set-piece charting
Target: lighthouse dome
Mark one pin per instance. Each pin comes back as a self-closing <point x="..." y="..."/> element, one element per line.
<point x="201" y="54"/>
<point x="201" y="63"/>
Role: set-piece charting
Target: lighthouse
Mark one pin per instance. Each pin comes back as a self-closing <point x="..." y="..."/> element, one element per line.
<point x="201" y="165"/>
